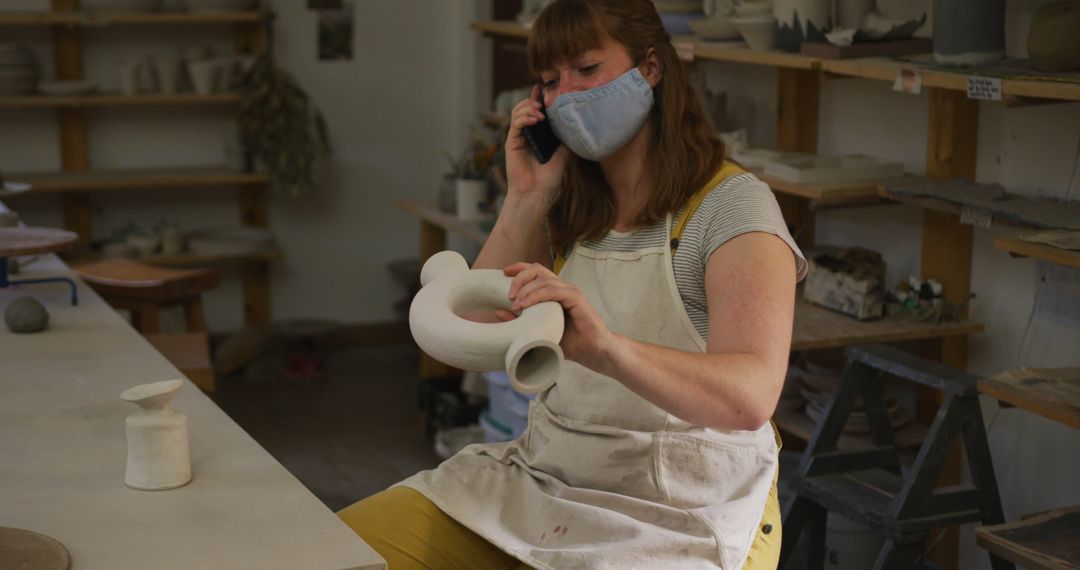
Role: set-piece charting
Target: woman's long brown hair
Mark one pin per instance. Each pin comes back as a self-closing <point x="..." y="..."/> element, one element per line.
<point x="684" y="154"/>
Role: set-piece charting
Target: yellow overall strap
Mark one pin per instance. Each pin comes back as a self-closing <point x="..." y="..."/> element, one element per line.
<point x="728" y="169"/>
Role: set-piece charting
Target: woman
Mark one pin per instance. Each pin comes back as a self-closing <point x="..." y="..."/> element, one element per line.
<point x="677" y="275"/>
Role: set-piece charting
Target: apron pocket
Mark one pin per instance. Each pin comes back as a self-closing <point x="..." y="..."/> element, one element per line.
<point x="593" y="456"/>
<point x="696" y="472"/>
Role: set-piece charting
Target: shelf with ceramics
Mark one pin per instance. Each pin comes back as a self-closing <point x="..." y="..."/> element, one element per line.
<point x="1017" y="83"/>
<point x="105" y="17"/>
<point x="117" y="99"/>
<point x="131" y="179"/>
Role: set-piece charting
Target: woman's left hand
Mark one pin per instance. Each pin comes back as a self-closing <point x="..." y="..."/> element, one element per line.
<point x="586" y="337"/>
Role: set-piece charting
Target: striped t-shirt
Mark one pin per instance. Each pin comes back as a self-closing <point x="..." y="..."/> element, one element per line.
<point x="737" y="205"/>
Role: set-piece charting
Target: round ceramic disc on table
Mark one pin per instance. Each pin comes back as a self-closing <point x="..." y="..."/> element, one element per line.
<point x="27" y="241"/>
<point x="33" y="551"/>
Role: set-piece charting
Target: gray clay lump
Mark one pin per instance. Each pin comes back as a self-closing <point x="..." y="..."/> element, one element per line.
<point x="26" y="315"/>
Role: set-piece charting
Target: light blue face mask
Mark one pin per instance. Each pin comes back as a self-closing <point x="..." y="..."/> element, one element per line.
<point x="598" y="122"/>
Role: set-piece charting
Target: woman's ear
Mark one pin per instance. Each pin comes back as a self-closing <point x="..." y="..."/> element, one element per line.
<point x="651" y="67"/>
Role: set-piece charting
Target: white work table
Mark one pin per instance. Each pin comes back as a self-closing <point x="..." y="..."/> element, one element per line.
<point x="63" y="452"/>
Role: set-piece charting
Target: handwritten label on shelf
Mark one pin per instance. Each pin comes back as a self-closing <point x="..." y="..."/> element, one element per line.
<point x="976" y="217"/>
<point x="984" y="88"/>
<point x="685" y="50"/>
<point x="908" y="81"/>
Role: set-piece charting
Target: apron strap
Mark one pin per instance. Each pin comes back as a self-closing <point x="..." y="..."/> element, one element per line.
<point x="727" y="170"/>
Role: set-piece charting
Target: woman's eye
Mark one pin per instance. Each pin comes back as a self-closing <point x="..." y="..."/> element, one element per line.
<point x="550" y="84"/>
<point x="589" y="69"/>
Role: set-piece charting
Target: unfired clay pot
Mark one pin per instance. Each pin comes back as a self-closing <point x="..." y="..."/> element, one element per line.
<point x="1054" y="40"/>
<point x="799" y="21"/>
<point x="526" y="347"/>
<point x="157" y="439"/>
<point x="969" y="32"/>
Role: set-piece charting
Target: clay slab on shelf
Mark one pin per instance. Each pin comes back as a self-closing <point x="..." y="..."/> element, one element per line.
<point x="824" y="169"/>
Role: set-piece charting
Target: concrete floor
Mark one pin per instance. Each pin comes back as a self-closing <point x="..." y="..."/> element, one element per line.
<point x="345" y="437"/>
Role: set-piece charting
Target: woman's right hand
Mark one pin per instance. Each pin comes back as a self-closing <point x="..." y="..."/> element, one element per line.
<point x="524" y="173"/>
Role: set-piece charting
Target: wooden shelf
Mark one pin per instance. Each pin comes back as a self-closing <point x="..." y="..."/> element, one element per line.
<point x="1047" y="541"/>
<point x="135" y="179"/>
<point x="117" y="100"/>
<point x="1010" y="210"/>
<point x="187" y="259"/>
<point x="817" y="327"/>
<point x="883" y="69"/>
<point x="835" y="193"/>
<point x="717" y="51"/>
<point x="738" y="52"/>
<point x="469" y="230"/>
<point x="797" y="424"/>
<point x="96" y="18"/>
<point x="193" y="259"/>
<point x="1016" y="246"/>
<point x="502" y="29"/>
<point x="1053" y="393"/>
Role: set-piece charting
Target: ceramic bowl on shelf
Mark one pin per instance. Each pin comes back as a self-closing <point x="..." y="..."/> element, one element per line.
<point x="715" y="28"/>
<point x="753" y="9"/>
<point x="232" y="240"/>
<point x="67" y="87"/>
<point x="759" y="32"/>
<point x="143" y="243"/>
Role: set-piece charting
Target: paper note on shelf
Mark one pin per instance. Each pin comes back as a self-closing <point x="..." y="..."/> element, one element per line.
<point x="984" y="88"/>
<point x="908" y="81"/>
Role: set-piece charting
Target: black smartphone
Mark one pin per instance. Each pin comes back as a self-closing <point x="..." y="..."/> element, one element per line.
<point x="542" y="139"/>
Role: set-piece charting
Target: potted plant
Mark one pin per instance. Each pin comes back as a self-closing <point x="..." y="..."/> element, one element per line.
<point x="281" y="129"/>
<point x="471" y="173"/>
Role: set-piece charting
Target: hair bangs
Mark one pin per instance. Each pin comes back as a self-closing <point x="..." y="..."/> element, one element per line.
<point x="562" y="32"/>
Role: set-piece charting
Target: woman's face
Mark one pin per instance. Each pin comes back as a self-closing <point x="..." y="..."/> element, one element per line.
<point x="590" y="69"/>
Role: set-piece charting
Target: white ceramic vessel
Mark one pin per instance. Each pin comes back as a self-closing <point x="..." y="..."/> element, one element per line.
<point x="715" y="28"/>
<point x="67" y="87"/>
<point x="203" y="75"/>
<point x="157" y="439"/>
<point x="759" y="32"/>
<point x="526" y="347"/>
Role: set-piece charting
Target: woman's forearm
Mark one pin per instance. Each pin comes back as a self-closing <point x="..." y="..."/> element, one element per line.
<point x="720" y="390"/>
<point x="518" y="234"/>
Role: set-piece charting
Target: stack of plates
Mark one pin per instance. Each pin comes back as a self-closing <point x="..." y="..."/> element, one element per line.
<point x="18" y="70"/>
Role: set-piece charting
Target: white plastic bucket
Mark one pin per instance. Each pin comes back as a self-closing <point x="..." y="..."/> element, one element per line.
<point x="507" y="406"/>
<point x="850" y="545"/>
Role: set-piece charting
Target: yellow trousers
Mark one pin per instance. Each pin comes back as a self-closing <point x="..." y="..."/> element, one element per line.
<point x="409" y="531"/>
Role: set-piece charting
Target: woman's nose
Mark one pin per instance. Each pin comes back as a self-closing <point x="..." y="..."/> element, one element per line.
<point x="567" y="84"/>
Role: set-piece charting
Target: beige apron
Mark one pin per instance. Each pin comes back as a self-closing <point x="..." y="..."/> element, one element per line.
<point x="602" y="478"/>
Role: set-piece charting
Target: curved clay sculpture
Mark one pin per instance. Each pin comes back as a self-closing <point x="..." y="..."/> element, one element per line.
<point x="527" y="347"/>
<point x="157" y="439"/>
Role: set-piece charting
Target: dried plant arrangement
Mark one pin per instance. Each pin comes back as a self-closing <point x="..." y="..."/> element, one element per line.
<point x="281" y="129"/>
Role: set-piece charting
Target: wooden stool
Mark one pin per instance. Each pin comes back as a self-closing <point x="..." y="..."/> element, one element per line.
<point x="144" y="290"/>
<point x="190" y="354"/>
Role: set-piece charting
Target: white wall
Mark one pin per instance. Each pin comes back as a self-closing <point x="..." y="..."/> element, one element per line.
<point x="409" y="94"/>
<point x="1030" y="150"/>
